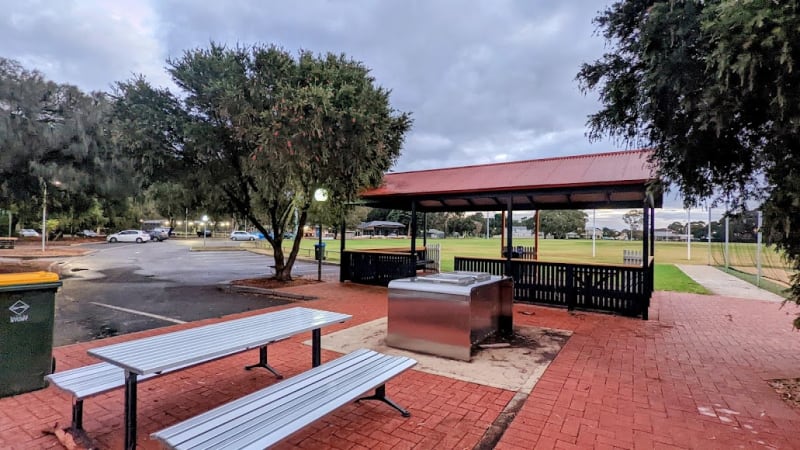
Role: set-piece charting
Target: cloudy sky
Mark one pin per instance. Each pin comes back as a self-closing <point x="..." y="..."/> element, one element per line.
<point x="485" y="81"/>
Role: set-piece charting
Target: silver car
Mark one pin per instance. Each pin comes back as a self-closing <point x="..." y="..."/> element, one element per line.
<point x="242" y="236"/>
<point x="138" y="236"/>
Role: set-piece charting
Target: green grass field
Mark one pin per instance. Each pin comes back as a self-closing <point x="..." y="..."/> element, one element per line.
<point x="667" y="276"/>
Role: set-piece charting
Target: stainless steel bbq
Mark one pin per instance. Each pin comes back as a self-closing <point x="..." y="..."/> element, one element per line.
<point x="447" y="313"/>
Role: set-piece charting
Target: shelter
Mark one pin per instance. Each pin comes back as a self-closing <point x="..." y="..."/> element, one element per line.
<point x="380" y="228"/>
<point x="611" y="180"/>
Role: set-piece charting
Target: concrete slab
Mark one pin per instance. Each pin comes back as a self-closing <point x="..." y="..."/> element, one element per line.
<point x="721" y="283"/>
<point x="515" y="368"/>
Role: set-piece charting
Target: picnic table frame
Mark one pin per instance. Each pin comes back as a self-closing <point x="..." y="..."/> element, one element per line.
<point x="185" y="348"/>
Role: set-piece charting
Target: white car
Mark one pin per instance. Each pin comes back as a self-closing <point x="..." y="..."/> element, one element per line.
<point x="138" y="236"/>
<point x="242" y="236"/>
<point x="27" y="232"/>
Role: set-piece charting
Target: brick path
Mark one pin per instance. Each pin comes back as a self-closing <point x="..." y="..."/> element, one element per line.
<point x="692" y="377"/>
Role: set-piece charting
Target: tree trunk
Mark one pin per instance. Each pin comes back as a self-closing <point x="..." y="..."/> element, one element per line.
<point x="283" y="271"/>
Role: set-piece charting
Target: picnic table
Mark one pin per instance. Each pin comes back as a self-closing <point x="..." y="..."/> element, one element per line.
<point x="7" y="242"/>
<point x="184" y="348"/>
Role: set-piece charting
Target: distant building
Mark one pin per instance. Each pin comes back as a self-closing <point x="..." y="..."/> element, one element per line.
<point x="435" y="234"/>
<point x="664" y="234"/>
<point x="380" y="228"/>
<point x="598" y="233"/>
<point x="521" y="232"/>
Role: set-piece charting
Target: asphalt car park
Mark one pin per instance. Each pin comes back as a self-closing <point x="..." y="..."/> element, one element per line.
<point x="126" y="288"/>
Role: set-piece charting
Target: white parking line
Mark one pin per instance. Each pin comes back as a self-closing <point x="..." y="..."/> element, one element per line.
<point x="141" y="313"/>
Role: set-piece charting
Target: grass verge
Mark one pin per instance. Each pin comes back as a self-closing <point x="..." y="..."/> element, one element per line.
<point x="670" y="278"/>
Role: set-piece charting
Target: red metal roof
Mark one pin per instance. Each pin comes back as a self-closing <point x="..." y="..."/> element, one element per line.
<point x="599" y="169"/>
<point x="600" y="180"/>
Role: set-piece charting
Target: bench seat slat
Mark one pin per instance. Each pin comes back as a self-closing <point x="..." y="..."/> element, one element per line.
<point x="87" y="381"/>
<point x="264" y="423"/>
<point x="270" y="415"/>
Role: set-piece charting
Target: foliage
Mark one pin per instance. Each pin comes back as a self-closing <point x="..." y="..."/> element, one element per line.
<point x="256" y="131"/>
<point x="634" y="220"/>
<point x="714" y="89"/>
<point x="55" y="134"/>
<point x="558" y="223"/>
<point x="169" y="200"/>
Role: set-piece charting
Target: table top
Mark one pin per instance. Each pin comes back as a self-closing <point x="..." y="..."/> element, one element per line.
<point x="194" y="345"/>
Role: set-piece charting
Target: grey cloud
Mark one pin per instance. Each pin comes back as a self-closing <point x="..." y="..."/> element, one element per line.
<point x="484" y="81"/>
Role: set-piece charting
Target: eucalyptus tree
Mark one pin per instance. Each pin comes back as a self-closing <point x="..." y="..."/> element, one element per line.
<point x="257" y="130"/>
<point x="713" y="87"/>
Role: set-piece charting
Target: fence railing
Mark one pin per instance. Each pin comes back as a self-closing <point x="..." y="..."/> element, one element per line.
<point x="433" y="257"/>
<point x="376" y="267"/>
<point x="619" y="289"/>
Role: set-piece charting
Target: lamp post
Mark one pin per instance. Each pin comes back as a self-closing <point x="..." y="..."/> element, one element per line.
<point x="320" y="195"/>
<point x="205" y="229"/>
<point x="44" y="212"/>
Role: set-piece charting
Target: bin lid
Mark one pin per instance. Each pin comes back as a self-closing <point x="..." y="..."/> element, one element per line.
<point x="12" y="279"/>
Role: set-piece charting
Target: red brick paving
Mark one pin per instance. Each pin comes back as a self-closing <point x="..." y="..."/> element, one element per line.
<point x="691" y="377"/>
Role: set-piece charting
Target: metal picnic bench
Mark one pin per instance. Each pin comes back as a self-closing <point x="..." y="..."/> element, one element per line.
<point x="272" y="414"/>
<point x="128" y="362"/>
<point x="7" y="242"/>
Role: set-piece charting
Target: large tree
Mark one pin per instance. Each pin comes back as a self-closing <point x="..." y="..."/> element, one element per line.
<point x="560" y="222"/>
<point x="56" y="135"/>
<point x="713" y="87"/>
<point x="257" y="131"/>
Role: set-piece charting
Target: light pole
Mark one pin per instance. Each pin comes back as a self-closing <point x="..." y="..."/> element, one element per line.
<point x="44" y="211"/>
<point x="205" y="229"/>
<point x="320" y="195"/>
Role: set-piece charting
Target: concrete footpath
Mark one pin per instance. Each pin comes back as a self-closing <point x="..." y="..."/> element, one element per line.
<point x="721" y="283"/>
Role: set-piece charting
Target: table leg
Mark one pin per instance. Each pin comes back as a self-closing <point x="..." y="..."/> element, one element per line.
<point x="130" y="410"/>
<point x="316" y="347"/>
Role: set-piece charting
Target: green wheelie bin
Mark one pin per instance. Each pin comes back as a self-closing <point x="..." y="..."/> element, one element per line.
<point x="27" y="310"/>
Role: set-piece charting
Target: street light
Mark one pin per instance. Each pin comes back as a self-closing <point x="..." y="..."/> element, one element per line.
<point x="44" y="211"/>
<point x="320" y="195"/>
<point x="205" y="229"/>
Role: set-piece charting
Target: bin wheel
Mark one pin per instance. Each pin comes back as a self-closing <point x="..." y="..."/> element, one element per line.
<point x="53" y="368"/>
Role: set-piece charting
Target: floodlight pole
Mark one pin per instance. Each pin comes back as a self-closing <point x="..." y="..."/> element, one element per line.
<point x="689" y="234"/>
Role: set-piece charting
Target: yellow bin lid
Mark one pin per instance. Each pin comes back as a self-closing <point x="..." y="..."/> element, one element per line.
<point x="13" y="279"/>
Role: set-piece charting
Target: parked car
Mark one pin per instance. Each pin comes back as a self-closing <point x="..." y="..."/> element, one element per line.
<point x="129" y="236"/>
<point x="200" y="233"/>
<point x="87" y="233"/>
<point x="158" y="234"/>
<point x="242" y="236"/>
<point x="28" y="232"/>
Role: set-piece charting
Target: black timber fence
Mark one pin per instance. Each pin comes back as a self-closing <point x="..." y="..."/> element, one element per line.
<point x="622" y="290"/>
<point x="379" y="267"/>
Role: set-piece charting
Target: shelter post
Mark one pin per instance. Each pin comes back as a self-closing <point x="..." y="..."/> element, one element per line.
<point x="536" y="238"/>
<point x="502" y="231"/>
<point x="414" y="233"/>
<point x="425" y="230"/>
<point x="509" y="231"/>
<point x="652" y="228"/>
